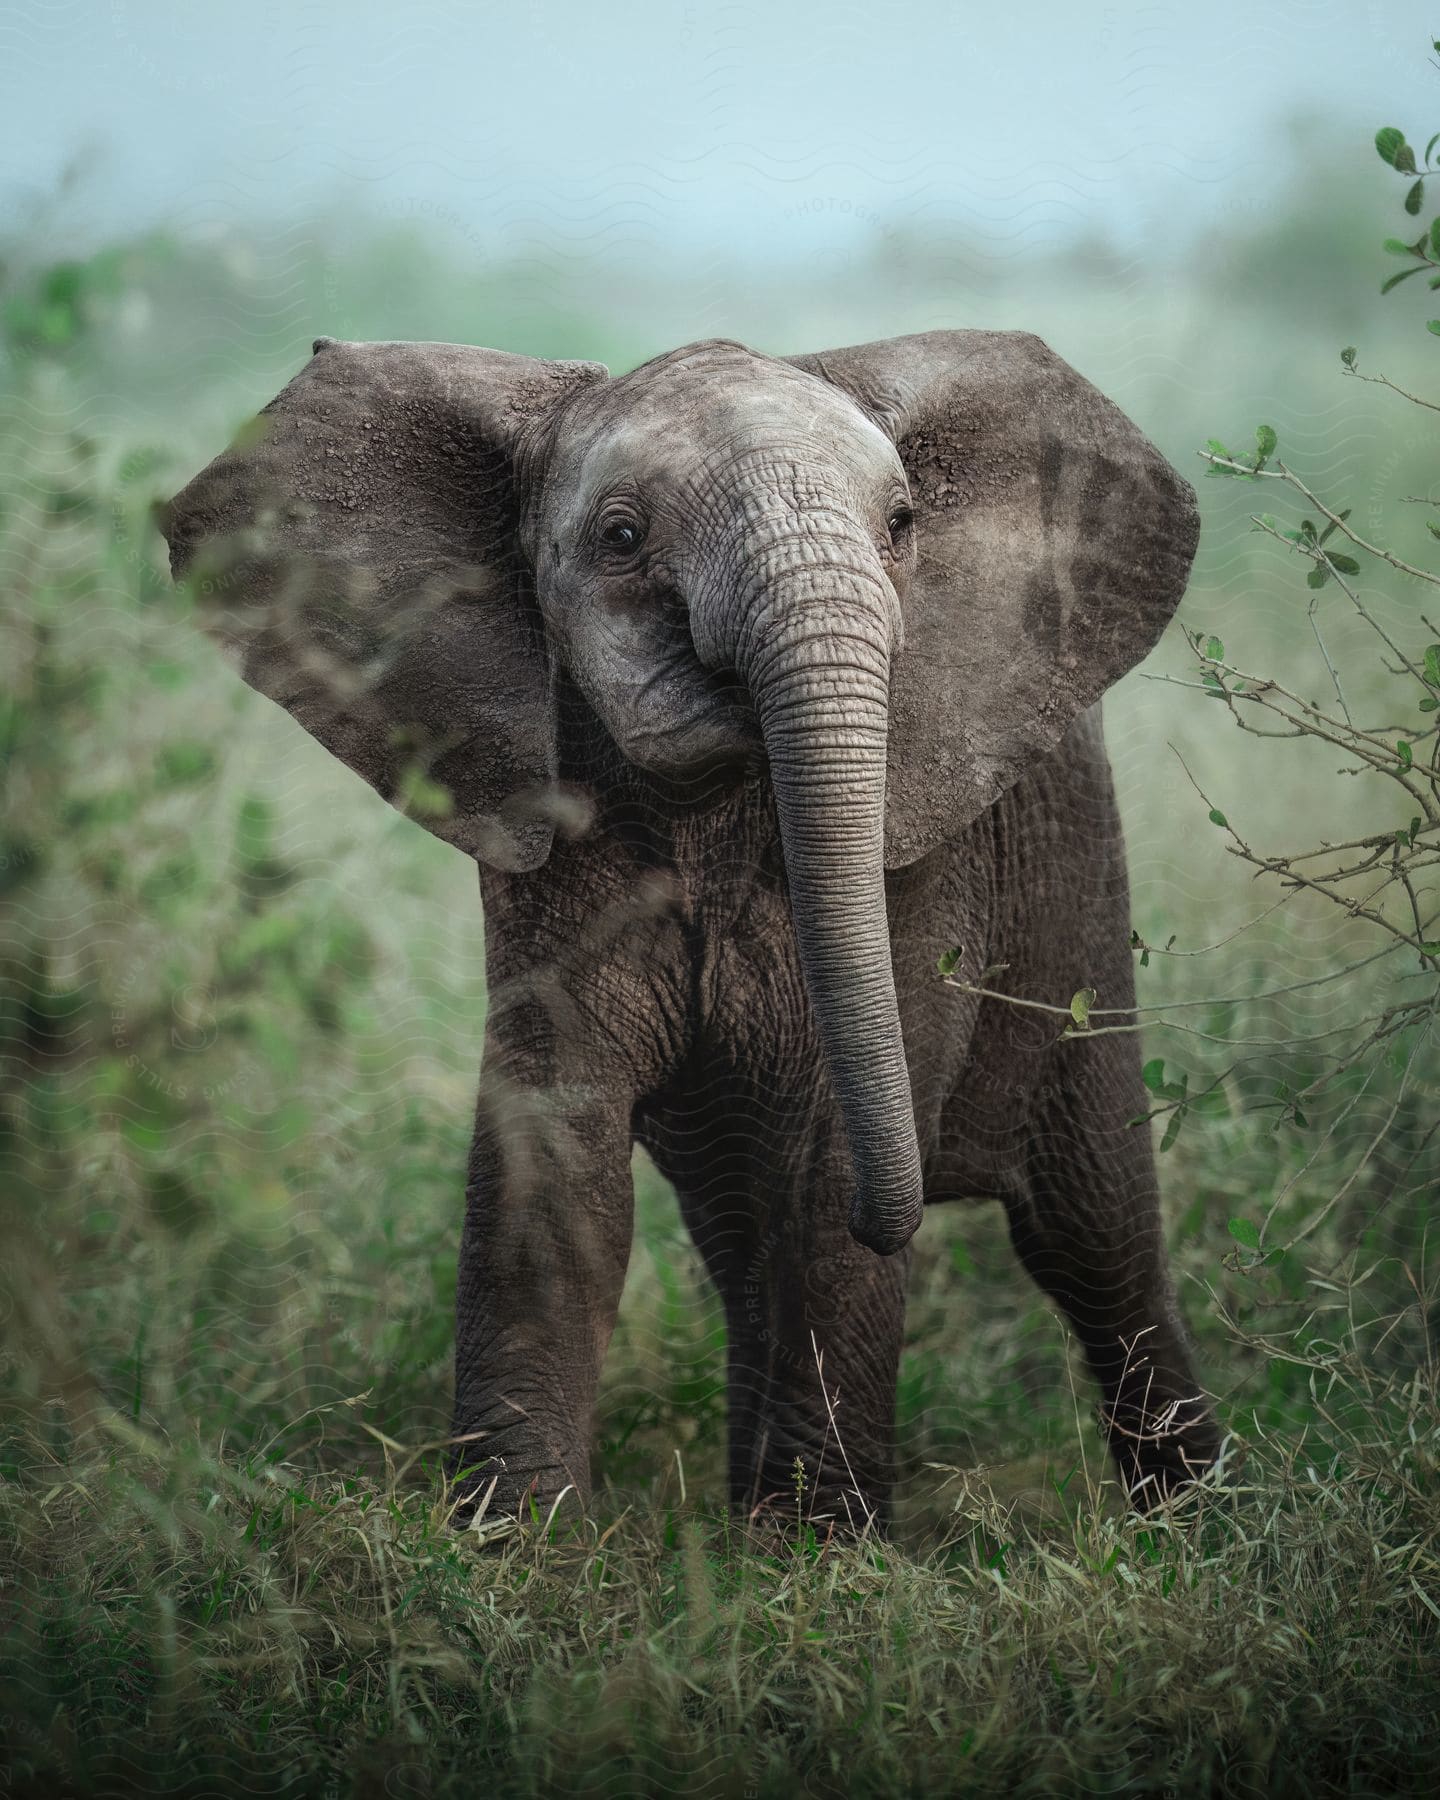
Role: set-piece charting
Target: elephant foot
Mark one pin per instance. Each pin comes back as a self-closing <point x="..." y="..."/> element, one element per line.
<point x="781" y="1531"/>
<point x="1161" y="1447"/>
<point x="784" y="1510"/>
<point x="488" y="1510"/>
<point x="499" y="1487"/>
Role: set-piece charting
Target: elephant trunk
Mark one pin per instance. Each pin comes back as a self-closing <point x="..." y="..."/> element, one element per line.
<point x="818" y="672"/>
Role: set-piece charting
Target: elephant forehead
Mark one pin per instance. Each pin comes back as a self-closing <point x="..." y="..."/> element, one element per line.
<point x="699" y="419"/>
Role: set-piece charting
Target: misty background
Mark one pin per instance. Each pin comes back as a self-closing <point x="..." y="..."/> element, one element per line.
<point x="1183" y="202"/>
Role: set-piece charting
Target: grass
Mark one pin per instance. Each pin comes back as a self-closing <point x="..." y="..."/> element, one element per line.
<point x="205" y="1625"/>
<point x="226" y="1562"/>
<point x="240" y="1014"/>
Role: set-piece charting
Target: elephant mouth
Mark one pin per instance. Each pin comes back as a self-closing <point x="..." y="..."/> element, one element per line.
<point x="704" y="746"/>
<point x="710" y="729"/>
<point x="728" y="688"/>
<point x="730" y="699"/>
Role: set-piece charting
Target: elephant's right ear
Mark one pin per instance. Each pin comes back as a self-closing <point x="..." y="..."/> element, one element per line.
<point x="358" y="545"/>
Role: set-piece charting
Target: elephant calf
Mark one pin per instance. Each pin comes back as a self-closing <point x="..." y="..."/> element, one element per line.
<point x="755" y="685"/>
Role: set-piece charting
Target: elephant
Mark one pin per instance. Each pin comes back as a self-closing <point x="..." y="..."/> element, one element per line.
<point x="753" y="685"/>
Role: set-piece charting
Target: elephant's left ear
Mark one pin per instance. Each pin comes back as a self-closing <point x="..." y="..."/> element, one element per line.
<point x="1054" y="542"/>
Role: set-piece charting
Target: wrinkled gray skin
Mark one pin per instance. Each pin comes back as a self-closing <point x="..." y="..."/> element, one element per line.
<point x="757" y="684"/>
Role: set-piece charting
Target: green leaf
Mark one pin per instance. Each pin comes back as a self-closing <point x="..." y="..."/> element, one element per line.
<point x="1405" y="160"/>
<point x="1432" y="663"/>
<point x="1394" y="247"/>
<point x="950" y="961"/>
<point x="1347" y="356"/>
<point x="1404" y="752"/>
<point x="1347" y="565"/>
<point x="171" y="675"/>
<point x="1436" y="139"/>
<point x="180" y="764"/>
<point x="1245" y="1233"/>
<point x="1217" y="817"/>
<point x="1415" y="196"/>
<point x="1429" y="704"/>
<point x="1404" y="275"/>
<point x="1339" y="519"/>
<point x="1080" y="1004"/>
<point x="1317" y="577"/>
<point x="1433" y="325"/>
<point x="1172" y="1130"/>
<point x="1388" y="140"/>
<point x="1435" y="235"/>
<point x="1265" y="437"/>
<point x="1214" y="1103"/>
<point x="1431" y="949"/>
<point x="1153" y="1074"/>
<point x="1214" y="649"/>
<point x="421" y="797"/>
<point x="1215" y="447"/>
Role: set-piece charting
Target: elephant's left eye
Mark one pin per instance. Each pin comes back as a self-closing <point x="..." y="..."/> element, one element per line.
<point x="899" y="522"/>
<point x="622" y="534"/>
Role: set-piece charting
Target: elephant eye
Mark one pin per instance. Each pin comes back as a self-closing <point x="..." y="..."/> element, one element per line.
<point x="899" y="522"/>
<point x="622" y="533"/>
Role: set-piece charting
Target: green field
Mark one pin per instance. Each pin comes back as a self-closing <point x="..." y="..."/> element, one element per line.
<point x="241" y="1004"/>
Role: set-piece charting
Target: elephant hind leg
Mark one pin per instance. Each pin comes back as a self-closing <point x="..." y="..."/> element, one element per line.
<point x="1085" y="1221"/>
<point x="814" y="1320"/>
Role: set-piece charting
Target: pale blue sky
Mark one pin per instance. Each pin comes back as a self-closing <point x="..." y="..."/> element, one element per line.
<point x="737" y="129"/>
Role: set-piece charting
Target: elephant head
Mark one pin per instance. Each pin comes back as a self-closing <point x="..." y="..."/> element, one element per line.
<point x="899" y="571"/>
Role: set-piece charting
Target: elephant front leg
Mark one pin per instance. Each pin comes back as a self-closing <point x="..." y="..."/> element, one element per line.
<point x="546" y="1241"/>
